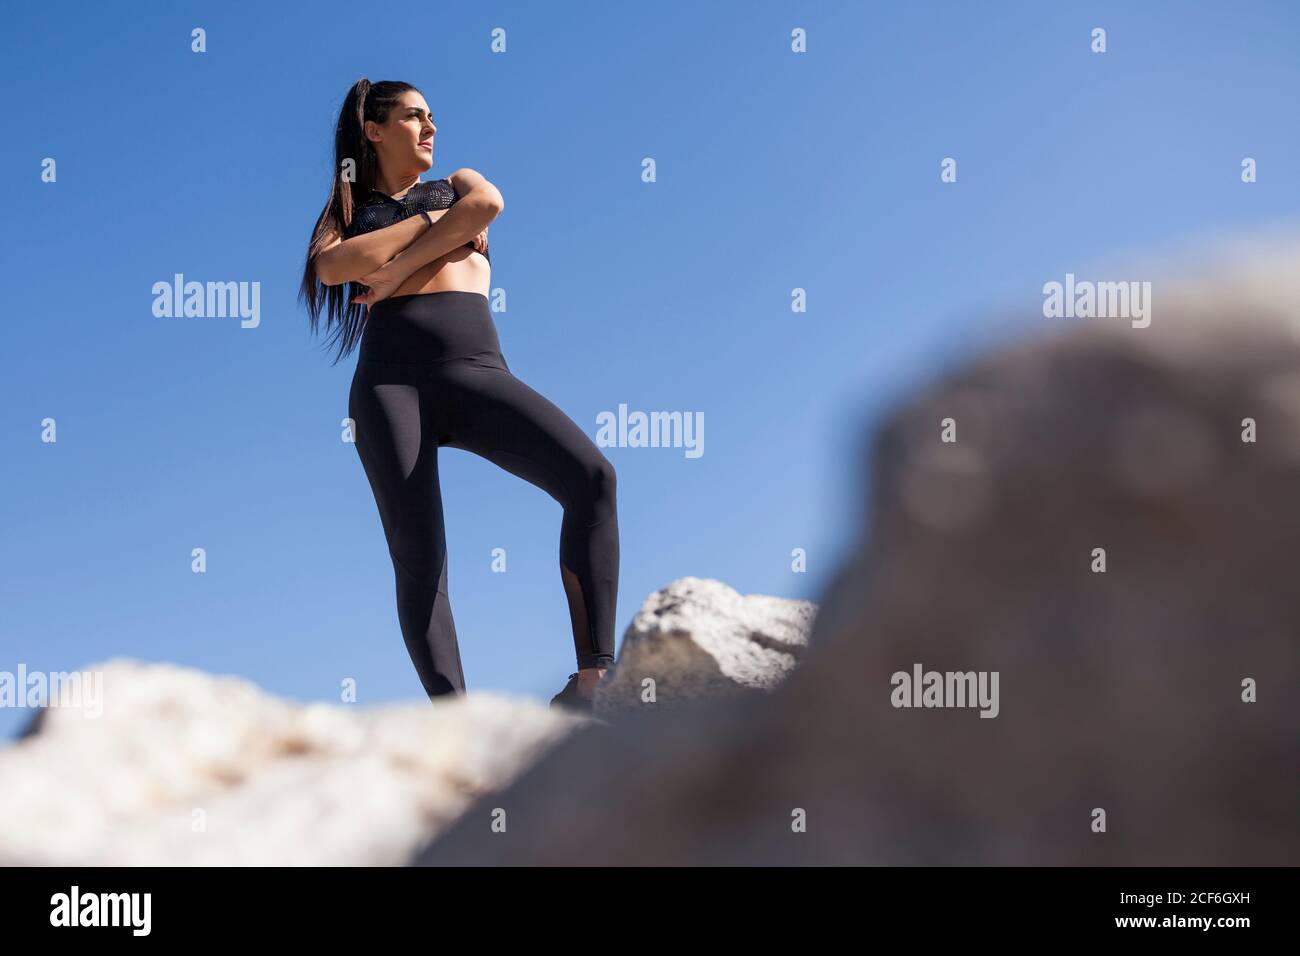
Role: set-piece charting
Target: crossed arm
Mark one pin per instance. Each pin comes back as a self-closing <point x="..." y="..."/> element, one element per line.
<point x="397" y="251"/>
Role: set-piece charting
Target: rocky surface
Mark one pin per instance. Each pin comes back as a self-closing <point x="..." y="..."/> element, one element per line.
<point x="186" y="768"/>
<point x="1120" y="691"/>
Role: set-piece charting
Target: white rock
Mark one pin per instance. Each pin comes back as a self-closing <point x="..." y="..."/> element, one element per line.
<point x="699" y="639"/>
<point x="184" y="768"/>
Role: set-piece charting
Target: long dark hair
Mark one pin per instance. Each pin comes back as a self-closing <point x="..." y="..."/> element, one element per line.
<point x="365" y="101"/>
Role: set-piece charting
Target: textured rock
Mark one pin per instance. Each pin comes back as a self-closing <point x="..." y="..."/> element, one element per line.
<point x="1119" y="690"/>
<point x="698" y="639"/>
<point x="272" y="781"/>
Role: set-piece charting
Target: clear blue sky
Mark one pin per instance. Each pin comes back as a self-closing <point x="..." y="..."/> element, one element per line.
<point x="775" y="171"/>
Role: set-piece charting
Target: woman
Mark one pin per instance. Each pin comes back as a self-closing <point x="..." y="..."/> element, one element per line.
<point x="430" y="373"/>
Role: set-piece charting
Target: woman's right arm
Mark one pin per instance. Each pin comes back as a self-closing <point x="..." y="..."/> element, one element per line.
<point x="347" y="260"/>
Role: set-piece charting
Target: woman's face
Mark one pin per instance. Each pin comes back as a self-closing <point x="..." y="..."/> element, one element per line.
<point x="404" y="141"/>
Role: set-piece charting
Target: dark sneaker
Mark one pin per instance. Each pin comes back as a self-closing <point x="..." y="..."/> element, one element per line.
<point x="569" y="699"/>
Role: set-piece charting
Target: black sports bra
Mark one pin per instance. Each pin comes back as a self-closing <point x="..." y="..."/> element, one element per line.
<point x="378" y="211"/>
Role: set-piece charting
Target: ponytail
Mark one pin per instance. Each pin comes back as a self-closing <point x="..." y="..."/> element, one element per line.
<point x="356" y="166"/>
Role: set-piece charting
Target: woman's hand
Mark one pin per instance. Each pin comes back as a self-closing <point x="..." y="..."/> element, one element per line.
<point x="480" y="242"/>
<point x="381" y="283"/>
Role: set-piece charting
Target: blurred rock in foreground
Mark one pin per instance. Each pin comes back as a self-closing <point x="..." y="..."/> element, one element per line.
<point x="1119" y="691"/>
<point x="184" y="768"/>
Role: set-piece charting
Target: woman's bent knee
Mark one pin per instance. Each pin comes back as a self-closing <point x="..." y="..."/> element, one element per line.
<point x="602" y="488"/>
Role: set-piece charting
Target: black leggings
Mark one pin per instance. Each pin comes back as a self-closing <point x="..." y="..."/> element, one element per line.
<point x="430" y="373"/>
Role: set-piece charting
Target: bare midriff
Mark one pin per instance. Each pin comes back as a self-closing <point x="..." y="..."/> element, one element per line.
<point x="461" y="270"/>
